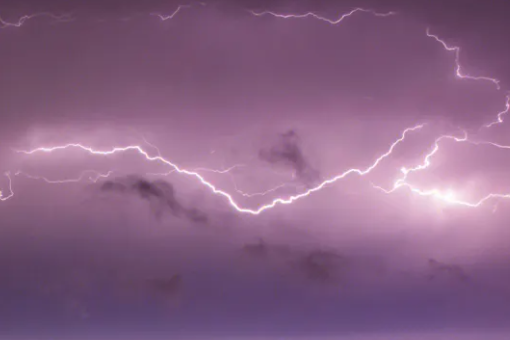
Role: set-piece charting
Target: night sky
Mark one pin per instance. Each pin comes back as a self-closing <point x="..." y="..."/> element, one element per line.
<point x="254" y="170"/>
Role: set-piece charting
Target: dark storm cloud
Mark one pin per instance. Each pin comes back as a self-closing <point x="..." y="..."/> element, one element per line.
<point x="130" y="283"/>
<point x="314" y="265"/>
<point x="168" y="287"/>
<point x="288" y="152"/>
<point x="318" y="265"/>
<point x="322" y="266"/>
<point x="438" y="270"/>
<point x="257" y="250"/>
<point x="161" y="194"/>
<point x="160" y="287"/>
<point x="262" y="250"/>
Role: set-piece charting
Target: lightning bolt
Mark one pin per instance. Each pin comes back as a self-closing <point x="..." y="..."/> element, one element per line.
<point x="448" y="197"/>
<point x="235" y="166"/>
<point x="11" y="192"/>
<point x="228" y="170"/>
<point x="224" y="171"/>
<point x="215" y="190"/>
<point x="242" y="193"/>
<point x="168" y="173"/>
<point x="263" y="193"/>
<point x="427" y="161"/>
<point x="500" y="115"/>
<point x="94" y="178"/>
<point x="458" y="67"/>
<point x="400" y="183"/>
<point x="316" y="16"/>
<point x="172" y="15"/>
<point x="58" y="18"/>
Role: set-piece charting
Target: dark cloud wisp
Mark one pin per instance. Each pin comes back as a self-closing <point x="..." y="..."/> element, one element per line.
<point x="159" y="193"/>
<point x="288" y="152"/>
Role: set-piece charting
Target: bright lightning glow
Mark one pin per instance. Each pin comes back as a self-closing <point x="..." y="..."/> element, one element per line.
<point x="313" y="15"/>
<point x="11" y="192"/>
<point x="448" y="197"/>
<point x="458" y="70"/>
<point x="58" y="18"/>
<point x="219" y="192"/>
<point x="172" y="15"/>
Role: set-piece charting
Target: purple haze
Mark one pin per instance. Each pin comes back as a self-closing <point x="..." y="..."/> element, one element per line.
<point x="296" y="101"/>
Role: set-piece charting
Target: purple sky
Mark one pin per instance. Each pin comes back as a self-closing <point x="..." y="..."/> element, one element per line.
<point x="291" y="102"/>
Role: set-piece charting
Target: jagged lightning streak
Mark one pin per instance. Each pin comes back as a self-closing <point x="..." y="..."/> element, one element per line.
<point x="224" y="171"/>
<point x="66" y="17"/>
<point x="401" y="182"/>
<point x="168" y="173"/>
<point x="94" y="178"/>
<point x="458" y="67"/>
<point x="239" y="191"/>
<point x="500" y="146"/>
<point x="500" y="115"/>
<point x="426" y="163"/>
<point x="448" y="197"/>
<point x="11" y="192"/>
<point x="316" y="16"/>
<point x="428" y="156"/>
<point x="170" y="16"/>
<point x="217" y="171"/>
<point x="230" y="199"/>
<point x="398" y="184"/>
<point x="263" y="193"/>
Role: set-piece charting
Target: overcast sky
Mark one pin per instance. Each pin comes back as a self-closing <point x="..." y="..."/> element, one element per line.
<point x="132" y="250"/>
